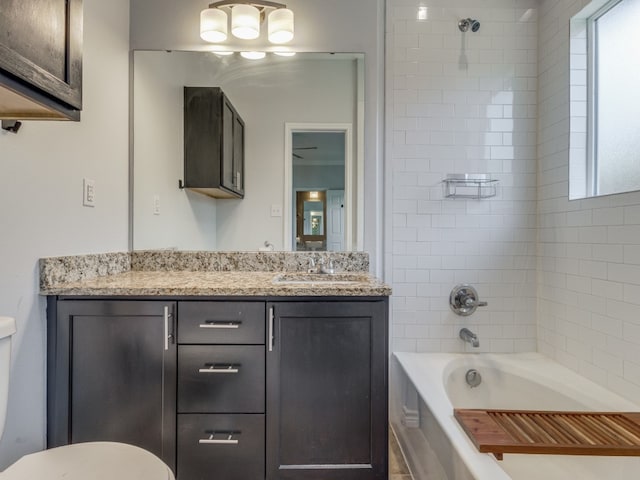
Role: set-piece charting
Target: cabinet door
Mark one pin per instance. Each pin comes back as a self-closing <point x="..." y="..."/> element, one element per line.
<point x="327" y="391"/>
<point x="116" y="365"/>
<point x="41" y="57"/>
<point x="238" y="153"/>
<point x="228" y="174"/>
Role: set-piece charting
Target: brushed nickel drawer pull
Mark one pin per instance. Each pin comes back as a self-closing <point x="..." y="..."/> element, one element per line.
<point x="228" y="324"/>
<point x="220" y="441"/>
<point x="220" y="369"/>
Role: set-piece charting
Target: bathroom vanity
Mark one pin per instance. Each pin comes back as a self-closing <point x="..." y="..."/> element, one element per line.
<point x="287" y="379"/>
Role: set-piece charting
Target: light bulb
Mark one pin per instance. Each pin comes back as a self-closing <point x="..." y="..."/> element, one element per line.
<point x="281" y="26"/>
<point x="213" y="25"/>
<point x="253" y="55"/>
<point x="245" y="22"/>
<point x="285" y="54"/>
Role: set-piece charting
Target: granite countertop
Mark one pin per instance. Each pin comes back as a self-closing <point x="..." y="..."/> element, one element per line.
<point x="111" y="275"/>
<point x="217" y="283"/>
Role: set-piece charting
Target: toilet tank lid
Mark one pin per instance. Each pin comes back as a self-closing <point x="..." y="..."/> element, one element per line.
<point x="7" y="326"/>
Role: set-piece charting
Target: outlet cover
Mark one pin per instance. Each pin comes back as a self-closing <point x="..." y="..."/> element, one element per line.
<point x="88" y="192"/>
<point x="276" y="210"/>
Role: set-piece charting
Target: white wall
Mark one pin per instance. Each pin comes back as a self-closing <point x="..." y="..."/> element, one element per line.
<point x="267" y="94"/>
<point x="329" y="177"/>
<point x="41" y="209"/>
<point x="326" y="26"/>
<point x="589" y="250"/>
<point x="186" y="220"/>
<point x="461" y="103"/>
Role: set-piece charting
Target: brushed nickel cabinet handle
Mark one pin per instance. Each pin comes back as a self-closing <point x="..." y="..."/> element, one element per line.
<point x="220" y="441"/>
<point x="220" y="369"/>
<point x="167" y="335"/>
<point x="271" y="329"/>
<point x="225" y="324"/>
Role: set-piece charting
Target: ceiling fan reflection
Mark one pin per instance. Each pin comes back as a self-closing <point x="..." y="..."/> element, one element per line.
<point x="302" y="148"/>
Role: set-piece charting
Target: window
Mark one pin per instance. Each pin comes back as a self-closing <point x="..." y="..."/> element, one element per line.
<point x="605" y="103"/>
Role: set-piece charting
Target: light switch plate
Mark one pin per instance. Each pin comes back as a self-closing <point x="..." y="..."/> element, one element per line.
<point x="88" y="192"/>
<point x="156" y="204"/>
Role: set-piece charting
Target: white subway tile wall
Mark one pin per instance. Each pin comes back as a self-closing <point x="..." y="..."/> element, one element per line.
<point x="463" y="103"/>
<point x="589" y="250"/>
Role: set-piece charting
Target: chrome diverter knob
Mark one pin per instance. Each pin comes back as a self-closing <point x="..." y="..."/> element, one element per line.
<point x="464" y="300"/>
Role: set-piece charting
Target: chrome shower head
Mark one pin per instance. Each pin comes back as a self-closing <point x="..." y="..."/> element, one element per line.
<point x="468" y="23"/>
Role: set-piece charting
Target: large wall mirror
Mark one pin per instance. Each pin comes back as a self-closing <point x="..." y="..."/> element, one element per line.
<point x="298" y="111"/>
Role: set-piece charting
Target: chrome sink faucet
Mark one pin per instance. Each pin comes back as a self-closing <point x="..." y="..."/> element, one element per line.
<point x="319" y="266"/>
<point x="469" y="337"/>
<point x="312" y="266"/>
<point x="328" y="269"/>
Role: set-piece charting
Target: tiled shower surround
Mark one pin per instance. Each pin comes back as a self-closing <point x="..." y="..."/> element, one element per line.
<point x="462" y="103"/>
<point x="588" y="250"/>
<point x="560" y="276"/>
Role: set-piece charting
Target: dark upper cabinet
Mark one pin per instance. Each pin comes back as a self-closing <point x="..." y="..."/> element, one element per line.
<point x="213" y="144"/>
<point x="41" y="59"/>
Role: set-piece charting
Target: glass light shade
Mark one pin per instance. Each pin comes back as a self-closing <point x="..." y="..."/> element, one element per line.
<point x="222" y="53"/>
<point x="245" y="22"/>
<point x="281" y="26"/>
<point x="253" y="55"/>
<point x="213" y="25"/>
<point x="283" y="53"/>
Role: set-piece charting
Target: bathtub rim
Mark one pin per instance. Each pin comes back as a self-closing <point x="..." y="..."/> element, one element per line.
<point x="433" y="368"/>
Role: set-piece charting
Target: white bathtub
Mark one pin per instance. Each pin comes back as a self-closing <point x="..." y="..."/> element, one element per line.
<point x="438" y="449"/>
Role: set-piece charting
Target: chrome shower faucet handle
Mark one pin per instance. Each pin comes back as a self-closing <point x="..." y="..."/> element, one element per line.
<point x="464" y="300"/>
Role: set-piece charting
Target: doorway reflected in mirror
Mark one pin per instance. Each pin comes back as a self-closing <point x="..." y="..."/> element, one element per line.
<point x="319" y="188"/>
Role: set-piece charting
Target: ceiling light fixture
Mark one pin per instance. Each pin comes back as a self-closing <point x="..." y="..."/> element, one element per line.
<point x="246" y="17"/>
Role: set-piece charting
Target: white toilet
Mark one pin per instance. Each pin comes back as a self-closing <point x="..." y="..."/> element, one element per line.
<point x="80" y="461"/>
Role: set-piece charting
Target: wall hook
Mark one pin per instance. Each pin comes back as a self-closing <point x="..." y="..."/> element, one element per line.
<point x="11" y="125"/>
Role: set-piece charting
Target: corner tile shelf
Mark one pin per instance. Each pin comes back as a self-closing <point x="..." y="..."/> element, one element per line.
<point x="469" y="185"/>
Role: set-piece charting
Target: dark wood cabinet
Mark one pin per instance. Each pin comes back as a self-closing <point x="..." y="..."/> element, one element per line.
<point x="233" y="389"/>
<point x="41" y="59"/>
<point x="327" y="391"/>
<point x="225" y="447"/>
<point x="221" y="390"/>
<point x="112" y="374"/>
<point x="213" y="144"/>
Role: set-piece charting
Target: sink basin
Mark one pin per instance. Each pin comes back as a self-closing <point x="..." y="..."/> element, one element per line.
<point x="315" y="278"/>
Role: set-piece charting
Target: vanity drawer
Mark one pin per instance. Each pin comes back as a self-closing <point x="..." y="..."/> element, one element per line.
<point x="221" y="322"/>
<point x="221" y="379"/>
<point x="225" y="447"/>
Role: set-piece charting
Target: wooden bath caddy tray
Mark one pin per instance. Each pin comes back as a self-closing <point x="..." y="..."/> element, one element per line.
<point x="556" y="433"/>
